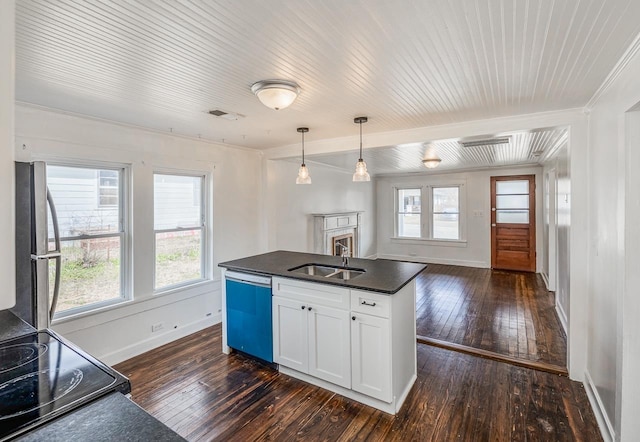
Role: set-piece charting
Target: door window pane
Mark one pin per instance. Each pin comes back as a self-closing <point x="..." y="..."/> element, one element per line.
<point x="178" y="257"/>
<point x="512" y="201"/>
<point x="90" y="272"/>
<point x="512" y="187"/>
<point x="512" y="216"/>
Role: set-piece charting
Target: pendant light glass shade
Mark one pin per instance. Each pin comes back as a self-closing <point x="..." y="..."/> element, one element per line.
<point x="303" y="172"/>
<point x="361" y="173"/>
<point x="276" y="94"/>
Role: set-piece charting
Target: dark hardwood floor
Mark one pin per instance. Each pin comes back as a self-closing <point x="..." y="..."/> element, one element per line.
<point x="508" y="313"/>
<point x="194" y="388"/>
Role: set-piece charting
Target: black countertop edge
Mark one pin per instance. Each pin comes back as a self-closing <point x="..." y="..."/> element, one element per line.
<point x="12" y="327"/>
<point x="381" y="275"/>
<point x="109" y="418"/>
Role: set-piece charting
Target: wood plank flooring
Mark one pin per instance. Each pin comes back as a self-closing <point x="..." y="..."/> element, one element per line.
<point x="509" y="313"/>
<point x="194" y="388"/>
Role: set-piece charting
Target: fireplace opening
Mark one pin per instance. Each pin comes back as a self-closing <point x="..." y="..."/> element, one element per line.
<point x="344" y="240"/>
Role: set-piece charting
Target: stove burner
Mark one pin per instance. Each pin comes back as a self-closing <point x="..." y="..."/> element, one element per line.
<point x="21" y="395"/>
<point x="14" y="356"/>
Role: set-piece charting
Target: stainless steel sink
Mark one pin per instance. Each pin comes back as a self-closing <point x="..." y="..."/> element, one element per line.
<point x="346" y="275"/>
<point x="343" y="273"/>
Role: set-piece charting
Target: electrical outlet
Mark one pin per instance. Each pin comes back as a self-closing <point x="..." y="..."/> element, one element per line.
<point x="157" y="327"/>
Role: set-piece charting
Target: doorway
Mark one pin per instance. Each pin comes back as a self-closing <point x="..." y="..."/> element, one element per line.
<point x="513" y="218"/>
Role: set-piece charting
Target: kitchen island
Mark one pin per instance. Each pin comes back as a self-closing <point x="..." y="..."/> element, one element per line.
<point x="354" y="335"/>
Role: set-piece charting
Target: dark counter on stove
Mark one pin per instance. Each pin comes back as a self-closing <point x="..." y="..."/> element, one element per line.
<point x="111" y="418"/>
<point x="381" y="275"/>
<point x="11" y="326"/>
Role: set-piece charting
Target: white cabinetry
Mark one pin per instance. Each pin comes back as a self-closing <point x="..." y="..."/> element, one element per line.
<point x="309" y="336"/>
<point x="357" y="343"/>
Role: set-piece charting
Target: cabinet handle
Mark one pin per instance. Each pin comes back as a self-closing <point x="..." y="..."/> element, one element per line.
<point x="353" y="318"/>
<point x="309" y="308"/>
<point x="366" y="303"/>
<point x="303" y="307"/>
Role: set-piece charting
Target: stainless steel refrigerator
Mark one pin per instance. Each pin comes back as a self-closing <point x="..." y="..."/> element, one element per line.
<point x="37" y="249"/>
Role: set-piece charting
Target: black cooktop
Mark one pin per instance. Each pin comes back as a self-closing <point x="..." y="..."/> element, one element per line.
<point x="42" y="377"/>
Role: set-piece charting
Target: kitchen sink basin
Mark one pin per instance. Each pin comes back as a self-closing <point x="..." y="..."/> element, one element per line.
<point x="337" y="272"/>
<point x="346" y="275"/>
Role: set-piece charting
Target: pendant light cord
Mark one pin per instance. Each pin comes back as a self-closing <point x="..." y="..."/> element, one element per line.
<point x="303" y="148"/>
<point x="360" y="159"/>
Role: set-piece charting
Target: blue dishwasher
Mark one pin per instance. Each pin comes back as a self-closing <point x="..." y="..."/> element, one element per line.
<point x="249" y="317"/>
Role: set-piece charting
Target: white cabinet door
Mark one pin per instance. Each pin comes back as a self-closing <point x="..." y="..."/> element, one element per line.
<point x="330" y="345"/>
<point x="371" y="356"/>
<point x="290" y="341"/>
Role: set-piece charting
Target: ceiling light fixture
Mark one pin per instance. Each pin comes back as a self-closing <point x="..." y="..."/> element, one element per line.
<point x="431" y="163"/>
<point x="361" y="173"/>
<point x="303" y="172"/>
<point x="276" y="94"/>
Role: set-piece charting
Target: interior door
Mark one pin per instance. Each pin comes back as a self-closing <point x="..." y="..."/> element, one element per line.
<point x="513" y="223"/>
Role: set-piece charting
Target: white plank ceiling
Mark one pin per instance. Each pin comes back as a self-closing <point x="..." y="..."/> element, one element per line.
<point x="520" y="148"/>
<point x="164" y="63"/>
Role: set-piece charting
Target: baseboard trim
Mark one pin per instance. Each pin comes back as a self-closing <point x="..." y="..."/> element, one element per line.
<point x="145" y="345"/>
<point x="562" y="316"/>
<point x="606" y="429"/>
<point x="432" y="260"/>
<point x="545" y="278"/>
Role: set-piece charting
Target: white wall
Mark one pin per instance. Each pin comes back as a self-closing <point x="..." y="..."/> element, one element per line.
<point x="476" y="251"/>
<point x="7" y="99"/>
<point x="290" y="205"/>
<point x="614" y="329"/>
<point x="120" y="332"/>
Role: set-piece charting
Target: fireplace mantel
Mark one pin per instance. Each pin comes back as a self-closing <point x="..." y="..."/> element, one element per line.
<point x="335" y="224"/>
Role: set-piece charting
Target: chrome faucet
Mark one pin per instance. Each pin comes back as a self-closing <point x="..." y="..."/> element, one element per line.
<point x="344" y="254"/>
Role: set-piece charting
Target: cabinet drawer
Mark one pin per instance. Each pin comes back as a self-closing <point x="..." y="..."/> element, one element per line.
<point x="370" y="303"/>
<point x="315" y="293"/>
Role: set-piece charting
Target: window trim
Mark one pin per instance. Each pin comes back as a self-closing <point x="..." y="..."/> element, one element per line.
<point x="426" y="222"/>
<point x="124" y="176"/>
<point x="204" y="227"/>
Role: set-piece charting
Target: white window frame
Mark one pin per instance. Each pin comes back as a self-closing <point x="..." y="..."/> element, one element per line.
<point x="124" y="234"/>
<point x="426" y="214"/>
<point x="205" y="245"/>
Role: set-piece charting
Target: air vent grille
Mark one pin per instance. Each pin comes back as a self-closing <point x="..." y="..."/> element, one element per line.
<point x="486" y="142"/>
<point x="226" y="115"/>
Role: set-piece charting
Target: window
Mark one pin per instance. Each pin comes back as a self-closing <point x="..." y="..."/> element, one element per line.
<point x="446" y="212"/>
<point x="409" y="213"/>
<point x="442" y="209"/>
<point x="179" y="228"/>
<point x="92" y="237"/>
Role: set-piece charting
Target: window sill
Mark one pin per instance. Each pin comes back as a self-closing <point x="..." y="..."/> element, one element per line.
<point x="430" y="242"/>
<point x="182" y="286"/>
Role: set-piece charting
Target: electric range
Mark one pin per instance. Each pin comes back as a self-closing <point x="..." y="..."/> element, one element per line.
<point x="42" y="377"/>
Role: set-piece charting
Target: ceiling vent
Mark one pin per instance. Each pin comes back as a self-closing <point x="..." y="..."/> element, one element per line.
<point x="485" y="142"/>
<point x="226" y="115"/>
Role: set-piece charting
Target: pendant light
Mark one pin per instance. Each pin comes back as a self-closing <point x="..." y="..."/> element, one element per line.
<point x="431" y="163"/>
<point x="303" y="172"/>
<point x="361" y="173"/>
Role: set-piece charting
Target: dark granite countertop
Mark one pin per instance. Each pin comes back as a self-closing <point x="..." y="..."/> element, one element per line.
<point x="381" y="275"/>
<point x="11" y="326"/>
<point x="110" y="418"/>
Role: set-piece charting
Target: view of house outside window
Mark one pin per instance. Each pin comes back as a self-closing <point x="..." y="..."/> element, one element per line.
<point x="409" y="217"/>
<point x="428" y="212"/>
<point x="179" y="229"/>
<point x="92" y="235"/>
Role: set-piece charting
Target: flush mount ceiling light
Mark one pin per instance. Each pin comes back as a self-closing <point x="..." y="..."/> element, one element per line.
<point x="361" y="173"/>
<point x="303" y="172"/>
<point x="431" y="163"/>
<point x="276" y="94"/>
